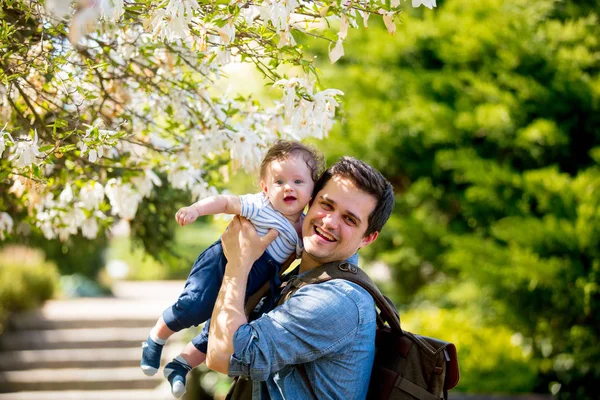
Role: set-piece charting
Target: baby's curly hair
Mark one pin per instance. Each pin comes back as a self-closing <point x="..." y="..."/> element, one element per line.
<point x="282" y="149"/>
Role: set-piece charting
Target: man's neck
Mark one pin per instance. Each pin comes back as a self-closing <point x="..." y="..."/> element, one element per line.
<point x="307" y="263"/>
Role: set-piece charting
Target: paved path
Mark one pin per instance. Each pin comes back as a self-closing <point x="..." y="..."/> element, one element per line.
<point x="87" y="348"/>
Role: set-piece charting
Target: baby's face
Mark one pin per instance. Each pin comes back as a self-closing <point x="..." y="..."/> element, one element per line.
<point x="288" y="185"/>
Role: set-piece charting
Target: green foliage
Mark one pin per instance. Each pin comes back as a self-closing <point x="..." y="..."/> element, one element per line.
<point x="503" y="360"/>
<point x="75" y="255"/>
<point x="26" y="280"/>
<point x="485" y="115"/>
<point x="189" y="242"/>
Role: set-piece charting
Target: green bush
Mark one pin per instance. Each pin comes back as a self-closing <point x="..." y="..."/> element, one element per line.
<point x="68" y="255"/>
<point x="26" y="280"/>
<point x="490" y="357"/>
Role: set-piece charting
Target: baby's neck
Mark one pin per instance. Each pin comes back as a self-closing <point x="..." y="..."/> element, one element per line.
<point x="296" y="222"/>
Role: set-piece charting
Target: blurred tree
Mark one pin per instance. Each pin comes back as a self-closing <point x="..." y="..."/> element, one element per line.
<point x="486" y="117"/>
<point x="102" y="102"/>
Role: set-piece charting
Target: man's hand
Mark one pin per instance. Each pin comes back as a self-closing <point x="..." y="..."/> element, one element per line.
<point x="242" y="245"/>
<point x="187" y="215"/>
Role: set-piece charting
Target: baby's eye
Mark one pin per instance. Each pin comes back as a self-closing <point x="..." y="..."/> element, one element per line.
<point x="279" y="182"/>
<point x="298" y="182"/>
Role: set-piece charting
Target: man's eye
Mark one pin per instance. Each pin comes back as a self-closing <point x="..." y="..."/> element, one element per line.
<point x="326" y="206"/>
<point x="350" y="221"/>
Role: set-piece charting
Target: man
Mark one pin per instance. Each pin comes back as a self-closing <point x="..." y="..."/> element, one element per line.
<point x="329" y="327"/>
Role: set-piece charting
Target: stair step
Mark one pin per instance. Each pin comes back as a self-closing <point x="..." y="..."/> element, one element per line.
<point x="90" y="395"/>
<point x="74" y="338"/>
<point x="91" y="313"/>
<point x="77" y="379"/>
<point x="78" y="358"/>
<point x="36" y="320"/>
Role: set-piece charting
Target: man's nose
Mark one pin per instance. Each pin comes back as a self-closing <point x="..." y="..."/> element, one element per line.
<point x="330" y="221"/>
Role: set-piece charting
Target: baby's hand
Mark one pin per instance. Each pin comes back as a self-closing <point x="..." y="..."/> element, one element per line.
<point x="186" y="215"/>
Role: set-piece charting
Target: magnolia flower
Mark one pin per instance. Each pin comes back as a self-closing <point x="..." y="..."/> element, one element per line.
<point x="249" y="13"/>
<point x="123" y="199"/>
<point x="111" y="10"/>
<point x="388" y="20"/>
<point x="337" y="52"/>
<point x="66" y="196"/>
<point x="17" y="188"/>
<point x="25" y="152"/>
<point x="6" y="224"/>
<point x="71" y="221"/>
<point x="91" y="195"/>
<point x="227" y="33"/>
<point x="344" y="24"/>
<point x="58" y="8"/>
<point x="84" y="20"/>
<point x="89" y="228"/>
<point x="202" y="190"/>
<point x="427" y="3"/>
<point x="144" y="184"/>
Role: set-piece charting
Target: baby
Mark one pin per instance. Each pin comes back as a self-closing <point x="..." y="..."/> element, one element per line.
<point x="287" y="176"/>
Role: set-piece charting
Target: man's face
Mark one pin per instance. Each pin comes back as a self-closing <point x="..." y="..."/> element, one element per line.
<point x="336" y="222"/>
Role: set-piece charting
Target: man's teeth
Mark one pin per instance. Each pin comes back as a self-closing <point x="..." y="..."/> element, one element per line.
<point x="324" y="234"/>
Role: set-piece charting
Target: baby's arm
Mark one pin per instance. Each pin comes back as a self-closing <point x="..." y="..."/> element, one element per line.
<point x="221" y="204"/>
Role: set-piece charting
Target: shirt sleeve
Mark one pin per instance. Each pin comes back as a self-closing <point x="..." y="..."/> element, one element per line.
<point x="318" y="320"/>
<point x="251" y="205"/>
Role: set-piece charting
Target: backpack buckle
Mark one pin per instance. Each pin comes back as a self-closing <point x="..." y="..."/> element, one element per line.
<point x="347" y="267"/>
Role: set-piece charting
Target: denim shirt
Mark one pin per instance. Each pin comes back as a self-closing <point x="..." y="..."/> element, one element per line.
<point x="328" y="327"/>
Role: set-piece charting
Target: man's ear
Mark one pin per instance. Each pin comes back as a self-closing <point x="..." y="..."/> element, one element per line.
<point x="367" y="240"/>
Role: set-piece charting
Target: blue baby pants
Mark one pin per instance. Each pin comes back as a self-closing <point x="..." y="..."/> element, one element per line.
<point x="195" y="304"/>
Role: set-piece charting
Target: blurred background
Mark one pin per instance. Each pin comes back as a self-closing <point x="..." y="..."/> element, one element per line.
<point x="485" y="116"/>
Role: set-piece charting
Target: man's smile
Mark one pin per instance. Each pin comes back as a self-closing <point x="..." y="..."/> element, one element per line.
<point x="321" y="233"/>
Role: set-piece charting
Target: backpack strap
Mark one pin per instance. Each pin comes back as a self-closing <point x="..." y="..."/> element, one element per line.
<point x="253" y="300"/>
<point x="350" y="272"/>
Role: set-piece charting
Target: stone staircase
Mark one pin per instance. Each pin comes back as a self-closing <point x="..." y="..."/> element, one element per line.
<point x="87" y="348"/>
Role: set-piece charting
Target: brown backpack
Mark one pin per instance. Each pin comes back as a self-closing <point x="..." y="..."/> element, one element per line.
<point x="406" y="367"/>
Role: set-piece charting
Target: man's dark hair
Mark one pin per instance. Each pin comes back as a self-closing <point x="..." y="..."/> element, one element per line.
<point x="282" y="149"/>
<point x="367" y="179"/>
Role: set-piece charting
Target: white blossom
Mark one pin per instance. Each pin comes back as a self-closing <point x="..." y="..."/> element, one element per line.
<point x="388" y="20"/>
<point x="6" y="224"/>
<point x="89" y="228"/>
<point x="111" y="10"/>
<point x="84" y="20"/>
<point x="91" y="195"/>
<point x="144" y="184"/>
<point x="26" y="152"/>
<point x="66" y="196"/>
<point x="58" y="8"/>
<point x="227" y="33"/>
<point x="123" y="199"/>
<point x="17" y="188"/>
<point x="336" y="52"/>
<point x="4" y="134"/>
<point x="427" y="3"/>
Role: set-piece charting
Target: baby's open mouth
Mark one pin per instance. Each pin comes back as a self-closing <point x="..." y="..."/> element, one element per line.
<point x="324" y="235"/>
<point x="289" y="199"/>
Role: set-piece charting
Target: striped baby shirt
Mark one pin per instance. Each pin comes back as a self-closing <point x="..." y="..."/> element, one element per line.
<point x="258" y="209"/>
